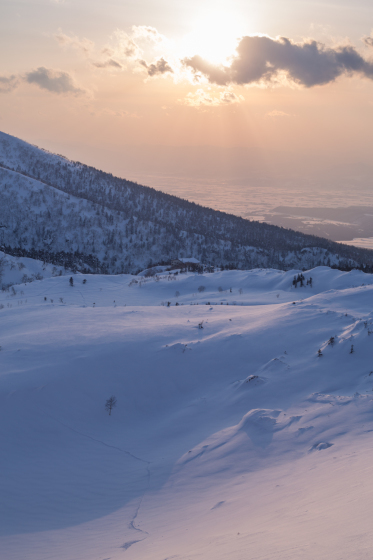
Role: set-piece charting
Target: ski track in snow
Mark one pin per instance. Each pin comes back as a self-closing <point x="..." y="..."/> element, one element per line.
<point x="132" y="522"/>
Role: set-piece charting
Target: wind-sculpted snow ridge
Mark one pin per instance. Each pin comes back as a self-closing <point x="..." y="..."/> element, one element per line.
<point x="232" y="436"/>
<point x="103" y="223"/>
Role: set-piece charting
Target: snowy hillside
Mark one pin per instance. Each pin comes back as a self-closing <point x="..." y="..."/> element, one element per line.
<point x="15" y="270"/>
<point x="235" y="440"/>
<point x="62" y="211"/>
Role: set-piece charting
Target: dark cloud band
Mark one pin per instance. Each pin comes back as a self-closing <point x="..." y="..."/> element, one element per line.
<point x="261" y="59"/>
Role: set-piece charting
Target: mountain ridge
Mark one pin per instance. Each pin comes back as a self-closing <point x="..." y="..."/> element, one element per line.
<point x="125" y="227"/>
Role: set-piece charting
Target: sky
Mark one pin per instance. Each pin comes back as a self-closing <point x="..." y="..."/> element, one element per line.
<point x="239" y="89"/>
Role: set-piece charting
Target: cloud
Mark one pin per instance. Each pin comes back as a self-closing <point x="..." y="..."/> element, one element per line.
<point x="158" y="68"/>
<point x="84" y="45"/>
<point x="368" y="41"/>
<point x="202" y="98"/>
<point x="51" y="80"/>
<point x="148" y="33"/>
<point x="276" y="113"/>
<point x="110" y="63"/>
<point x="227" y="97"/>
<point x="113" y="113"/>
<point x="8" y="83"/>
<point x="125" y="46"/>
<point x="260" y="59"/>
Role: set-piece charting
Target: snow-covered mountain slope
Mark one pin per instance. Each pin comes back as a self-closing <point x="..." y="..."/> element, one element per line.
<point x="234" y="440"/>
<point x="36" y="216"/>
<point x="21" y="270"/>
<point x="51" y="204"/>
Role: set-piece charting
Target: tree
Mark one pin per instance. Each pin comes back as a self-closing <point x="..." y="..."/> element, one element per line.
<point x="110" y="404"/>
<point x="201" y="289"/>
<point x="71" y="281"/>
<point x="352" y="349"/>
<point x="2" y="266"/>
<point x="319" y="353"/>
<point x="331" y="341"/>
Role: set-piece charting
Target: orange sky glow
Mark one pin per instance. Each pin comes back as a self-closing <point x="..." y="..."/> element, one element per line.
<point x="98" y="80"/>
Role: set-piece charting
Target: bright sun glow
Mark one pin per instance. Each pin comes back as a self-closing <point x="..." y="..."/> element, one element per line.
<point x="214" y="37"/>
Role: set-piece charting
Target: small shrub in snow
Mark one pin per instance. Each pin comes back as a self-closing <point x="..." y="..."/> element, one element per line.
<point x="200" y="325"/>
<point x="240" y="291"/>
<point x="177" y="294"/>
<point x="84" y="281"/>
<point x="220" y="289"/>
<point x="319" y="353"/>
<point x="352" y="349"/>
<point x="71" y="281"/>
<point x="201" y="289"/>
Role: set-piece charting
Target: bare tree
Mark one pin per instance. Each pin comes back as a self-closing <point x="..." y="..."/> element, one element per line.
<point x="110" y="404"/>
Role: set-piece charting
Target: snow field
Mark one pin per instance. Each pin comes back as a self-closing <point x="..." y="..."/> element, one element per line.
<point x="230" y="441"/>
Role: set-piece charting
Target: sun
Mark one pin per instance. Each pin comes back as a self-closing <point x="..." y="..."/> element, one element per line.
<point x="214" y="37"/>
